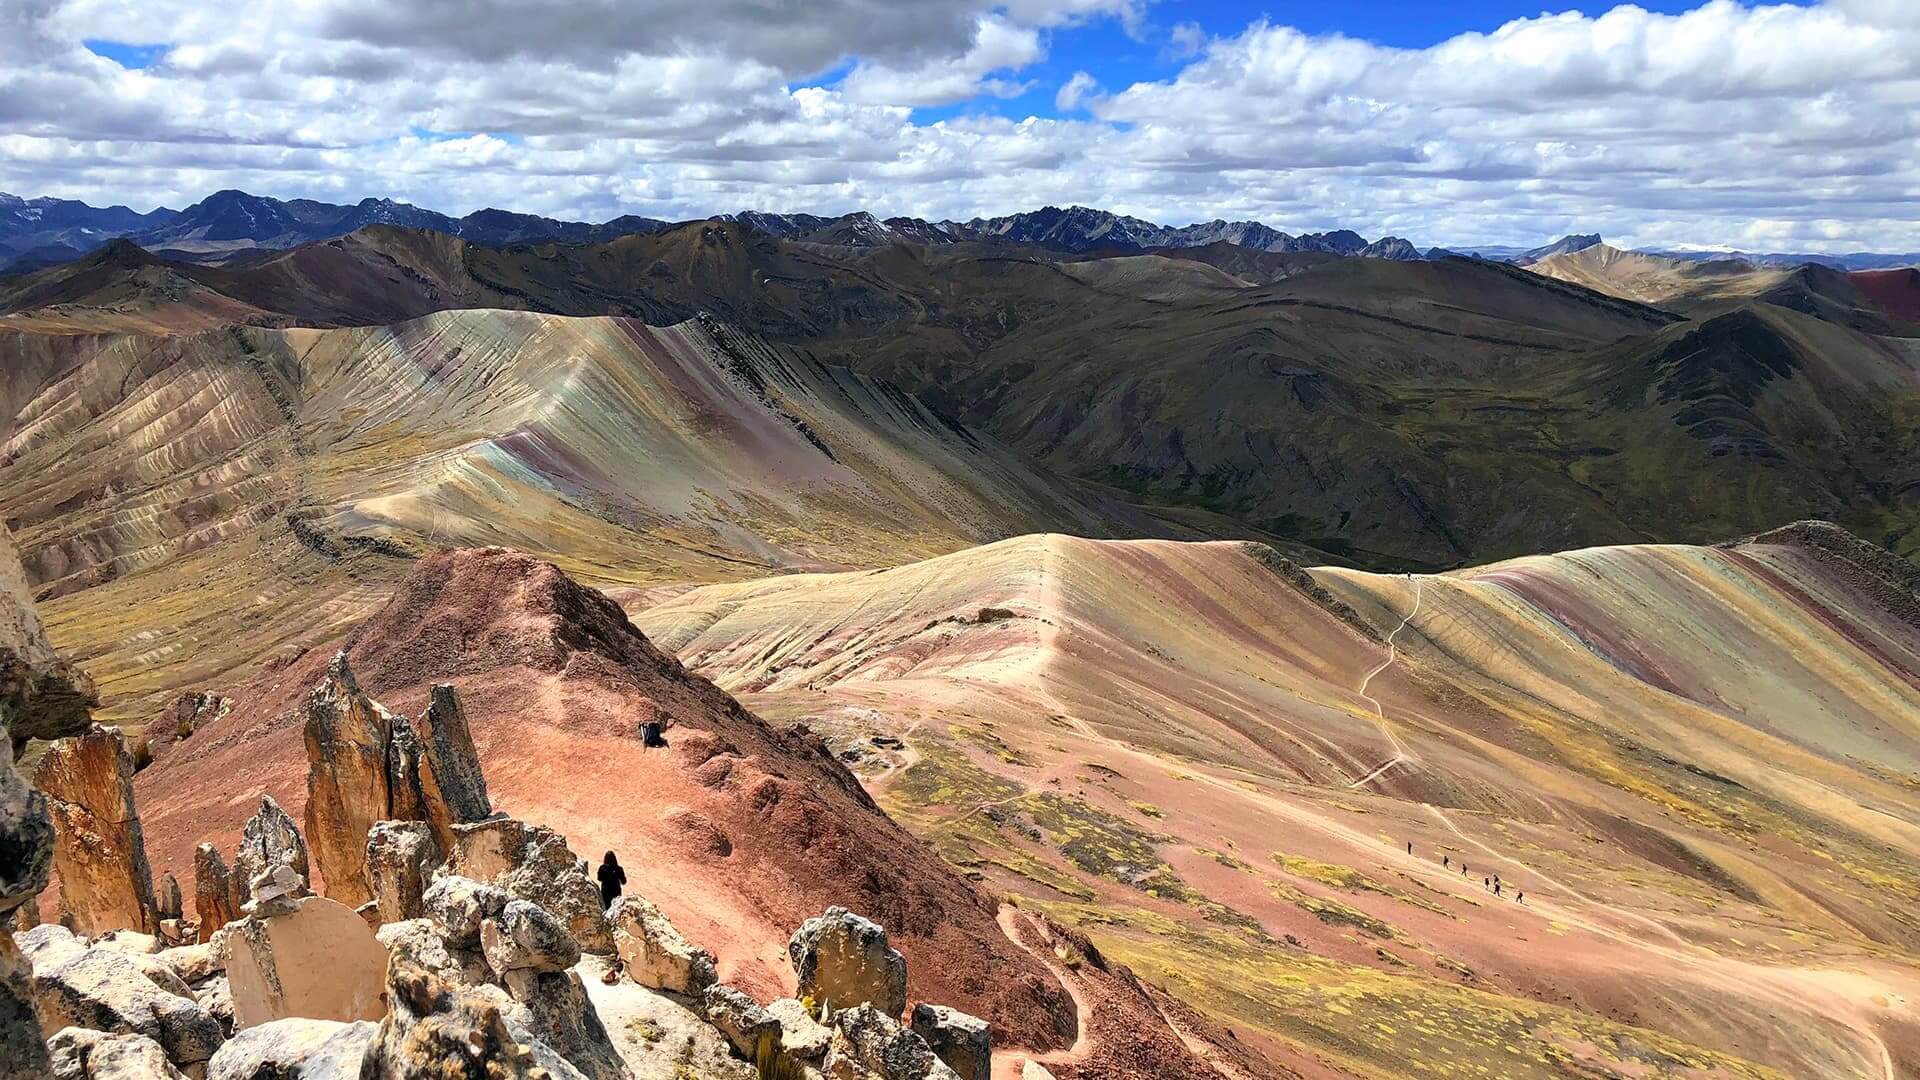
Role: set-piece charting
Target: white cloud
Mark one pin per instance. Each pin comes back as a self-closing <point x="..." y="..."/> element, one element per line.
<point x="1729" y="124"/>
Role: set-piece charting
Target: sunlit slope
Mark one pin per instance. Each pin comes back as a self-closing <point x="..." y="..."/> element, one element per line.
<point x="1697" y="763"/>
<point x="285" y="470"/>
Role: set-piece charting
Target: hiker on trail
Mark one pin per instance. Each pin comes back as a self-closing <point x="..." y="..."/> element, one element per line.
<point x="1519" y="896"/>
<point x="1486" y="883"/>
<point x="612" y="876"/>
<point x="1445" y="861"/>
<point x="1409" y="847"/>
<point x="1496" y="888"/>
<point x="650" y="733"/>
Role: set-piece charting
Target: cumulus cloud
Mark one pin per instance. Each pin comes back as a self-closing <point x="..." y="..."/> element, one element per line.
<point x="1730" y="124"/>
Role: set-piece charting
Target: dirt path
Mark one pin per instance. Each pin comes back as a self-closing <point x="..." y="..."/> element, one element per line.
<point x="1010" y="1060"/>
<point x="1400" y="755"/>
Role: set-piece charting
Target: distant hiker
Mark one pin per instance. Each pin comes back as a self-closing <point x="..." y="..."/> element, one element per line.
<point x="1409" y="847"/>
<point x="651" y="733"/>
<point x="1519" y="896"/>
<point x="1446" y="861"/>
<point x="1496" y="888"/>
<point x="1486" y="883"/>
<point x="612" y="876"/>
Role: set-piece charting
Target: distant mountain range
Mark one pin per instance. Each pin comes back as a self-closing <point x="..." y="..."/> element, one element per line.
<point x="227" y="224"/>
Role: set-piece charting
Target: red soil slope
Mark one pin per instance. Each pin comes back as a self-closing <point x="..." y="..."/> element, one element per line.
<point x="1895" y="292"/>
<point x="737" y="830"/>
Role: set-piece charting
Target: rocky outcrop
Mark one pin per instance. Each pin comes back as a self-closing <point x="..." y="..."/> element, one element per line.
<point x="168" y="903"/>
<point x="802" y="1037"/>
<point x="318" y="960"/>
<point x="454" y="787"/>
<point x="79" y="1054"/>
<point x="424" y="943"/>
<point x="752" y="1030"/>
<point x="964" y="1042"/>
<point x="843" y="960"/>
<point x="870" y="1045"/>
<point x="269" y="839"/>
<point x="105" y="883"/>
<point x="435" y="1031"/>
<point x="41" y="695"/>
<point x="348" y="739"/>
<point x="22" y="1049"/>
<point x="294" y="1049"/>
<point x="532" y="862"/>
<point x="653" y="953"/>
<point x="400" y="859"/>
<point x="524" y="940"/>
<point x="555" y="1011"/>
<point x="462" y="906"/>
<point x="103" y="990"/>
<point x="213" y="891"/>
<point x="26" y="838"/>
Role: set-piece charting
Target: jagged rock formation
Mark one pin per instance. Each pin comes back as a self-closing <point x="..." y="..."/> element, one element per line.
<point x="214" y="891"/>
<point x="105" y="883"/>
<point x="79" y="1054"/>
<point x="655" y="954"/>
<point x="843" y="960"/>
<point x="450" y="776"/>
<point x="401" y="856"/>
<point x="102" y="990"/>
<point x="435" y="1031"/>
<point x="964" y="1042"/>
<point x="318" y="961"/>
<point x="870" y="1045"/>
<point x="463" y="906"/>
<point x="533" y="862"/>
<point x="752" y="1030"/>
<point x="269" y="839"/>
<point x="523" y="941"/>
<point x="41" y="695"/>
<point x="349" y="742"/>
<point x="294" y="1049"/>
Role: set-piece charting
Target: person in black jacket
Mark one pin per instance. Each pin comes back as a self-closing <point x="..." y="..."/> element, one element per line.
<point x="612" y="876"/>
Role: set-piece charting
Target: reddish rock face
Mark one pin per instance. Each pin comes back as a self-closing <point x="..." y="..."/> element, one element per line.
<point x="213" y="891"/>
<point x="348" y="740"/>
<point x="105" y="883"/>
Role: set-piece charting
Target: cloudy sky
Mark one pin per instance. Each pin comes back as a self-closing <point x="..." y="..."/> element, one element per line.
<point x="1720" y="124"/>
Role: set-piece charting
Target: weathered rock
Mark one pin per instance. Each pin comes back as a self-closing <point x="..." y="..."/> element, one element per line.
<point x="423" y="943"/>
<point x="268" y="839"/>
<point x="216" y="996"/>
<point x="524" y="940"/>
<point x="654" y="953"/>
<point x="213" y="891"/>
<point x="26" y="835"/>
<point x="48" y="945"/>
<point x="454" y="787"/>
<point x="188" y="713"/>
<point x="319" y="961"/>
<point x="169" y="903"/>
<point x="752" y="1030"/>
<point x="433" y="1031"/>
<point x="80" y="1054"/>
<point x="294" y="1049"/>
<point x="461" y="905"/>
<point x="964" y="1042"/>
<point x="348" y="741"/>
<point x="23" y="1051"/>
<point x="131" y="942"/>
<point x="275" y="892"/>
<point x="194" y="963"/>
<point x="1033" y="1070"/>
<point x="406" y="801"/>
<point x="104" y="879"/>
<point x="532" y="862"/>
<point x="843" y="960"/>
<point x="107" y="991"/>
<point x="400" y="859"/>
<point x="802" y="1037"/>
<point x="41" y="695"/>
<point x="556" y="1011"/>
<point x="870" y="1045"/>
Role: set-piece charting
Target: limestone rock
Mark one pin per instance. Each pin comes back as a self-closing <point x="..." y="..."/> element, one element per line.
<point x="41" y="695"/>
<point x="964" y="1042"/>
<point x="406" y="801"/>
<point x="843" y="960"/>
<point x="555" y="1009"/>
<point x="168" y="903"/>
<point x="348" y="741"/>
<point x="461" y="905"/>
<point x="48" y="945"/>
<point x="400" y="859"/>
<point x="22" y="1049"/>
<point x="525" y="940"/>
<point x="268" y="839"/>
<point x="433" y="1031"/>
<point x="752" y="1030"/>
<point x="107" y="991"/>
<point x="424" y="943"/>
<point x="194" y="964"/>
<point x="216" y="996"/>
<point x="654" y="953"/>
<point x="870" y="1045"/>
<point x="319" y="961"/>
<point x="79" y="1054"/>
<point x="1033" y="1070"/>
<point x="454" y="787"/>
<point x="294" y="1049"/>
<point x="104" y="879"/>
<point x="275" y="892"/>
<point x="26" y="835"/>
<point x="532" y="862"/>
<point x="801" y="1036"/>
<point x="213" y="891"/>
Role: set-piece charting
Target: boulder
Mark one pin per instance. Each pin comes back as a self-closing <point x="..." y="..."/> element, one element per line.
<point x="400" y="859"/>
<point x="553" y="1007"/>
<point x="964" y="1042"/>
<point x="843" y="960"/>
<point x="268" y="839"/>
<point x="275" y="892"/>
<point x="80" y="1054"/>
<point x="23" y="1051"/>
<point x="26" y="835"/>
<point x="169" y="903"/>
<point x="48" y="945"/>
<point x="105" y="883"/>
<point x="870" y="1045"/>
<point x="213" y="891"/>
<point x="434" y="1031"/>
<point x="424" y="944"/>
<point x="654" y="953"/>
<point x="532" y="862"/>
<point x="348" y="741"/>
<point x="318" y="961"/>
<point x="451" y="781"/>
<point x="41" y="695"/>
<point x="188" y="713"/>
<point x="802" y="1037"/>
<point x="752" y="1030"/>
<point x="216" y="996"/>
<point x="107" y="991"/>
<point x="524" y="940"/>
<point x="294" y="1049"/>
<point x="461" y="905"/>
<point x="194" y="964"/>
